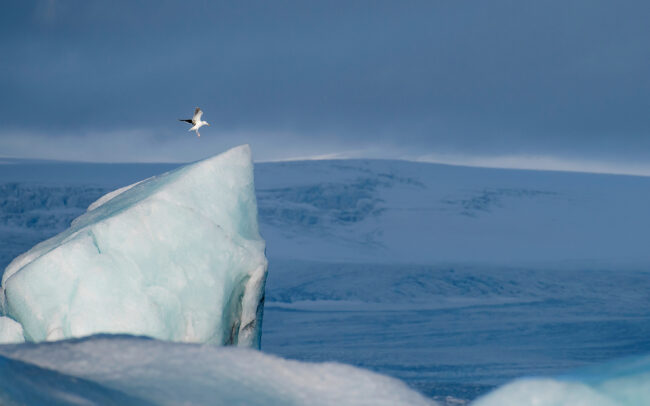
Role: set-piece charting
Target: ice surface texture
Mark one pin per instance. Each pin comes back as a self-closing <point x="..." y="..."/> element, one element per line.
<point x="10" y="331"/>
<point x="122" y="370"/>
<point x="176" y="257"/>
<point x="621" y="383"/>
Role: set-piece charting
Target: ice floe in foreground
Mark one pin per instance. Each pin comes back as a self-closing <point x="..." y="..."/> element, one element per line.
<point x="175" y="257"/>
<point x="620" y="383"/>
<point x="129" y="370"/>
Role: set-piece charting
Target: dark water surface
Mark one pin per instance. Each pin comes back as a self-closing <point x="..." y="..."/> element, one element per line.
<point x="456" y="331"/>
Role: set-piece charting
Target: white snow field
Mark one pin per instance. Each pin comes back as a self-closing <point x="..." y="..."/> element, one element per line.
<point x="129" y="371"/>
<point x="454" y="279"/>
<point x="416" y="213"/>
<point x="176" y="257"/>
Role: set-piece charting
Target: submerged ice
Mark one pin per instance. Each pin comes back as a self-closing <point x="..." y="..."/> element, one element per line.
<point x="175" y="257"/>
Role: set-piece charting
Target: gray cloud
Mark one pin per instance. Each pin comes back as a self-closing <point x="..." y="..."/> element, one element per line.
<point x="554" y="78"/>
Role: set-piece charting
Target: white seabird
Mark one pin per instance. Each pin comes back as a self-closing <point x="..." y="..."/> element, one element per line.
<point x="196" y="121"/>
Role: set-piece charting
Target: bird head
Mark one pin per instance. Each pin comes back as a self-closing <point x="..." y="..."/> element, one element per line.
<point x="208" y="124"/>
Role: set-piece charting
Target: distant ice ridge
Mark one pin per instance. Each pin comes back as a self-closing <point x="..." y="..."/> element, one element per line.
<point x="620" y="383"/>
<point x="129" y="371"/>
<point x="175" y="257"/>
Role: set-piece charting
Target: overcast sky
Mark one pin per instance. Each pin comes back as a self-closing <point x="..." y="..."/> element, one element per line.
<point x="546" y="83"/>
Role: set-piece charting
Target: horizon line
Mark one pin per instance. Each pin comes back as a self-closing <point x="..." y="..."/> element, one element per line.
<point x="512" y="162"/>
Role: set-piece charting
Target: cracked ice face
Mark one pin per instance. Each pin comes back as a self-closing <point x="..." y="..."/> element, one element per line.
<point x="176" y="257"/>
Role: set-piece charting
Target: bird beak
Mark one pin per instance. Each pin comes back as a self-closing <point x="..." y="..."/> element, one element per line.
<point x="208" y="124"/>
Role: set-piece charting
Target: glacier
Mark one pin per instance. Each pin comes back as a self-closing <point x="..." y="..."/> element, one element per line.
<point x="175" y="257"/>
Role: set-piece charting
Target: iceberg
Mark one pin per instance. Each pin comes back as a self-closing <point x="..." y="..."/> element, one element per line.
<point x="126" y="370"/>
<point x="175" y="257"/>
<point x="623" y="382"/>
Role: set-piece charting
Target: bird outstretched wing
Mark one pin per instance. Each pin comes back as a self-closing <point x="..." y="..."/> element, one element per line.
<point x="197" y="115"/>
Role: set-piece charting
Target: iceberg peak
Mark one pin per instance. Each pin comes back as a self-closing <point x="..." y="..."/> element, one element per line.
<point x="176" y="257"/>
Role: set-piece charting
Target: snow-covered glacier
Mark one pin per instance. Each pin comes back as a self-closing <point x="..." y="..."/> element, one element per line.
<point x="176" y="257"/>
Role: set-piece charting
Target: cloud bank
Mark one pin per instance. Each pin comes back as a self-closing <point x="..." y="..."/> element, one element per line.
<point x="108" y="80"/>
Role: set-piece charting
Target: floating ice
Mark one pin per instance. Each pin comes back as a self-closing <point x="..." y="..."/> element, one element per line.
<point x="134" y="371"/>
<point x="176" y="257"/>
<point x="620" y="383"/>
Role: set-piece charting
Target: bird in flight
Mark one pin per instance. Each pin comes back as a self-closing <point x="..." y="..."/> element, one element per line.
<point x="196" y="121"/>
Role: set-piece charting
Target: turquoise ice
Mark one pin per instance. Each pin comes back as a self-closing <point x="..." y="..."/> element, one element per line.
<point x="176" y="257"/>
<point x="624" y="382"/>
